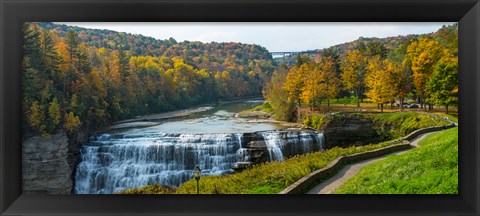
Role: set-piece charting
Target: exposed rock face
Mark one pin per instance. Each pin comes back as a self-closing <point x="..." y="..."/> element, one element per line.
<point x="74" y="143"/>
<point x="256" y="147"/>
<point x="288" y="143"/>
<point x="44" y="165"/>
<point x="350" y="130"/>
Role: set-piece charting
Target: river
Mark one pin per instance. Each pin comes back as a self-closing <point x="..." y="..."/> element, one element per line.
<point x="166" y="151"/>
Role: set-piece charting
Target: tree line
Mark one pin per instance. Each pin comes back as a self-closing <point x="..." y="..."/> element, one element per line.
<point x="424" y="68"/>
<point x="69" y="81"/>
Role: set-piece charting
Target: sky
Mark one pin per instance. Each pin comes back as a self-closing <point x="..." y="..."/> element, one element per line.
<point x="276" y="37"/>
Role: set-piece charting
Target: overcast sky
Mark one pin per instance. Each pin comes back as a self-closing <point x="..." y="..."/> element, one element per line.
<point x="273" y="36"/>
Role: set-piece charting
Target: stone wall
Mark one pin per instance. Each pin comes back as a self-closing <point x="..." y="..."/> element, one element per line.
<point x="45" y="168"/>
<point x="309" y="180"/>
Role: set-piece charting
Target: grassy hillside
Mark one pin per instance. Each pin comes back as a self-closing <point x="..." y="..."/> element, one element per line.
<point x="430" y="169"/>
<point x="268" y="178"/>
<point x="390" y="125"/>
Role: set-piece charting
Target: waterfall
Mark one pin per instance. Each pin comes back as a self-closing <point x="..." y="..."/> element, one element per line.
<point x="111" y="163"/>
<point x="115" y="162"/>
<point x="286" y="144"/>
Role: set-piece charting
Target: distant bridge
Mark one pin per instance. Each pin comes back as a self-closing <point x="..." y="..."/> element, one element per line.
<point x="289" y="53"/>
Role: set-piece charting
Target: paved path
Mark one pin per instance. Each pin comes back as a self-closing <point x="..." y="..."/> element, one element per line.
<point x="351" y="170"/>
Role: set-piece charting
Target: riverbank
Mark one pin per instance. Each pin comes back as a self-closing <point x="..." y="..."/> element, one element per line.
<point x="273" y="121"/>
<point x="152" y="119"/>
<point x="156" y="119"/>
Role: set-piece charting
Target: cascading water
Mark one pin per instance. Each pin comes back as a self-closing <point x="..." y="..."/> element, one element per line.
<point x="287" y="144"/>
<point x="115" y="162"/>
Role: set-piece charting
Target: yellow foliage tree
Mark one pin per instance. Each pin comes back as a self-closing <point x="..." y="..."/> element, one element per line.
<point x="294" y="84"/>
<point x="329" y="85"/>
<point x="353" y="72"/>
<point x="311" y="80"/>
<point x="422" y="56"/>
<point x="36" y="118"/>
<point x="72" y="122"/>
<point x="54" y="113"/>
<point x="379" y="80"/>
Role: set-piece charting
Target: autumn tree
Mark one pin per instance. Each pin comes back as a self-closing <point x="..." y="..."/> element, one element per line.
<point x="379" y="79"/>
<point x="282" y="104"/>
<point x="422" y="56"/>
<point x="330" y="53"/>
<point x="353" y="73"/>
<point x="311" y="78"/>
<point x="295" y="83"/>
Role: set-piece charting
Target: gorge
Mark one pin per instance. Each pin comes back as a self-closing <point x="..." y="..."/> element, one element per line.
<point x="167" y="151"/>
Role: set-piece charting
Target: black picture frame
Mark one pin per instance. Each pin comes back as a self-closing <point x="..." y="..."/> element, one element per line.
<point x="15" y="12"/>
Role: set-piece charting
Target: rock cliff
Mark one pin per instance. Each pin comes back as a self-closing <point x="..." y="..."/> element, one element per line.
<point x="346" y="130"/>
<point x="45" y="168"/>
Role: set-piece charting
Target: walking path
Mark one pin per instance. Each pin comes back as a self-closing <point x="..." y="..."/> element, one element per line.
<point x="351" y="170"/>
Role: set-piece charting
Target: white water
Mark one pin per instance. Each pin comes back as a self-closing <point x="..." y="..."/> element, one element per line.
<point x="115" y="162"/>
<point x="286" y="144"/>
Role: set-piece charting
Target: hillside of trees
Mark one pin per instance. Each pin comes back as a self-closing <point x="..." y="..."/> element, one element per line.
<point x="83" y="78"/>
<point x="423" y="67"/>
<point x="389" y="43"/>
<point x="76" y="78"/>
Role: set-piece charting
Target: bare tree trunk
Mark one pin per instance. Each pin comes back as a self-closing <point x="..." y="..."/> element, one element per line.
<point x="401" y="104"/>
<point x="381" y="107"/>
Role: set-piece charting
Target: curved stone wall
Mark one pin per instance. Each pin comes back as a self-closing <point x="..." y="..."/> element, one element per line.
<point x="315" y="177"/>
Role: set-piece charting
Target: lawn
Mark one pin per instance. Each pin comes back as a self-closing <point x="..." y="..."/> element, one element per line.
<point x="430" y="169"/>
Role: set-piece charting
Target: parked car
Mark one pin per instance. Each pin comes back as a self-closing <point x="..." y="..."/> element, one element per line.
<point x="413" y="106"/>
<point x="407" y="105"/>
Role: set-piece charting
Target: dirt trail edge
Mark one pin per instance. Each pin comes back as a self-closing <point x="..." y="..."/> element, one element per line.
<point x="347" y="172"/>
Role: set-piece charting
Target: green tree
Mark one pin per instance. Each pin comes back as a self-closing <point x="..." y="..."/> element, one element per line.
<point x="443" y="86"/>
<point x="279" y="98"/>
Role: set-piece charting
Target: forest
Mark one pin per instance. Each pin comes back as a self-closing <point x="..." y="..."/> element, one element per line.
<point x="382" y="71"/>
<point x="80" y="78"/>
<point x="76" y="78"/>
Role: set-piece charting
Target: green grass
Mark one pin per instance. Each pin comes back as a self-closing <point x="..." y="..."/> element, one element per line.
<point x="317" y="121"/>
<point x="268" y="178"/>
<point x="265" y="107"/>
<point x="150" y="189"/>
<point x="430" y="169"/>
<point x="399" y="124"/>
<point x="450" y="117"/>
<point x="390" y="125"/>
<point x="345" y="100"/>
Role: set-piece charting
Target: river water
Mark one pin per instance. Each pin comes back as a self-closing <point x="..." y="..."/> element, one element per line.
<point x="167" y="153"/>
